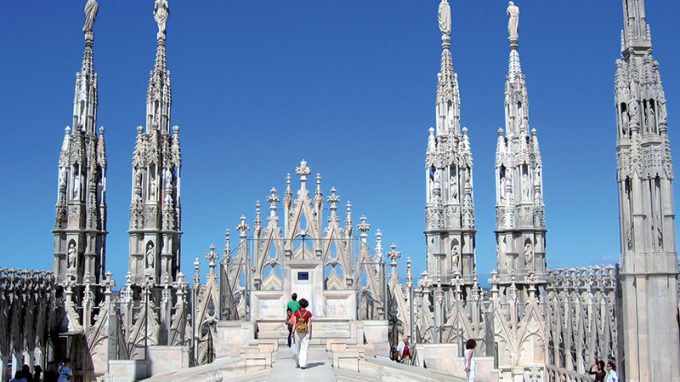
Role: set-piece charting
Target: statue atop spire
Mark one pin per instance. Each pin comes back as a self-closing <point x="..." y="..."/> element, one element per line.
<point x="91" y="8"/>
<point x="513" y="24"/>
<point x="445" y="17"/>
<point x="160" y="13"/>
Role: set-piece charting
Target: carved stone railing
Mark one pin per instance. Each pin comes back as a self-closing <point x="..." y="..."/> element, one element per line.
<point x="560" y="375"/>
<point x="582" y="319"/>
<point x="28" y="315"/>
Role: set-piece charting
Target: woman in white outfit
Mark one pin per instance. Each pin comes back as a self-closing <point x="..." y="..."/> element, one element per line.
<point x="470" y="360"/>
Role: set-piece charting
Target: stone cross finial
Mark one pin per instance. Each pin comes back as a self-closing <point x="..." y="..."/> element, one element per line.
<point x="212" y="257"/>
<point x="272" y="200"/>
<point x="303" y="170"/>
<point x="243" y="227"/>
<point x="363" y="227"/>
<point x="108" y="284"/>
<point x="394" y="255"/>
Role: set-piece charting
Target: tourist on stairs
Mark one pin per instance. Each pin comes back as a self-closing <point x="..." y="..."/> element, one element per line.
<point x="470" y="360"/>
<point x="404" y="350"/>
<point x="303" y="332"/>
<point x="293" y="304"/>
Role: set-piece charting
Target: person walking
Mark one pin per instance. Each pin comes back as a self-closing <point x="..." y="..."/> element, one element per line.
<point x="599" y="372"/>
<point x="470" y="360"/>
<point x="611" y="372"/>
<point x="293" y="304"/>
<point x="38" y="374"/>
<point x="404" y="350"/>
<point x="18" y="377"/>
<point x="289" y="325"/>
<point x="65" y="372"/>
<point x="303" y="332"/>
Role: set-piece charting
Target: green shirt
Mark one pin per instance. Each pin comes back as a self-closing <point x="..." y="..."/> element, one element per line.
<point x="293" y="305"/>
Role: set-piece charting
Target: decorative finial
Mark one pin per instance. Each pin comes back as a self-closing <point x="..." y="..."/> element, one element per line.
<point x="303" y="171"/>
<point x="394" y="255"/>
<point x="160" y="13"/>
<point x="333" y="199"/>
<point x="445" y="17"/>
<point x="91" y="8"/>
<point x="227" y="244"/>
<point x="513" y="24"/>
<point x="363" y="227"/>
<point x="212" y="257"/>
<point x="243" y="227"/>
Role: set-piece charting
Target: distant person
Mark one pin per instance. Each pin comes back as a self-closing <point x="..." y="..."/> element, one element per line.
<point x="26" y="372"/>
<point x="18" y="377"/>
<point x="293" y="304"/>
<point x="303" y="332"/>
<point x="291" y="332"/>
<point x="289" y="324"/>
<point x="404" y="350"/>
<point x="599" y="371"/>
<point x="470" y="360"/>
<point x="38" y="375"/>
<point x="65" y="372"/>
<point x="611" y="372"/>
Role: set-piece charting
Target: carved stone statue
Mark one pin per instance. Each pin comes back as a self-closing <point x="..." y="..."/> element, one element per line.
<point x="454" y="187"/>
<point x="167" y="178"/>
<point x="76" y="187"/>
<point x="513" y="22"/>
<point x="445" y="17"/>
<point x="525" y="186"/>
<point x="150" y="256"/>
<point x="651" y="119"/>
<point x="160" y="13"/>
<point x="138" y="178"/>
<point x="62" y="176"/>
<point x="625" y="120"/>
<point x="91" y="8"/>
<point x="72" y="256"/>
<point x="152" y="189"/>
<point x="528" y="255"/>
<point x="455" y="258"/>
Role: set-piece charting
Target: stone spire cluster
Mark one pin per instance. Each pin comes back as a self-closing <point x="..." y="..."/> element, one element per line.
<point x="647" y="221"/>
<point x="520" y="225"/>
<point x="80" y="223"/>
<point x="155" y="210"/>
<point x="450" y="214"/>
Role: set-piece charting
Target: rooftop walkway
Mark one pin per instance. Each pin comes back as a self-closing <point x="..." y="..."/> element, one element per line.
<point x="319" y="369"/>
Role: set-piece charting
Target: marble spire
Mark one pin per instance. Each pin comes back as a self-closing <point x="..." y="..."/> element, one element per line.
<point x="649" y="265"/>
<point x="155" y="210"/>
<point x="450" y="226"/>
<point x="80" y="224"/>
<point x="520" y="225"/>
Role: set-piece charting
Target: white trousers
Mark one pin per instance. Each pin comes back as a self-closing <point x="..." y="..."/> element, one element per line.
<point x="301" y="344"/>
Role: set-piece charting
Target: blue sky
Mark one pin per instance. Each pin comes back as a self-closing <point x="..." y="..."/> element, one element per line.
<point x="347" y="85"/>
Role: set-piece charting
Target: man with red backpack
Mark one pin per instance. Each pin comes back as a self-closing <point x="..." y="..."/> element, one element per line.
<point x="302" y="324"/>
